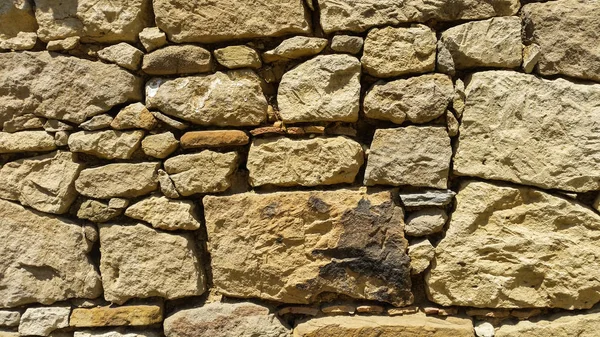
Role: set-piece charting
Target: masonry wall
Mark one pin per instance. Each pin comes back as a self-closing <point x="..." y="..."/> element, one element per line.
<point x="290" y="168"/>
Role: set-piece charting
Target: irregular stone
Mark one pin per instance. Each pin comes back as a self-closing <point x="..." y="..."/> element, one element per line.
<point x="23" y="41"/>
<point x="234" y="57"/>
<point x="61" y="138"/>
<point x="42" y="321"/>
<point x="426" y="221"/>
<point x="485" y="329"/>
<point x="338" y="309"/>
<point x="403" y="311"/>
<point x="310" y="244"/>
<point x="305" y="162"/>
<point x="9" y="318"/>
<point x="296" y="47"/>
<point x="26" y="141"/>
<point x="109" y="144"/>
<point x="234" y="98"/>
<point x="166" y="214"/>
<point x="118" y="180"/>
<point x="53" y="125"/>
<point x="204" y="172"/>
<point x="531" y="57"/>
<point x="325" y="88"/>
<point x="160" y="145"/>
<point x="123" y="54"/>
<point x="452" y="124"/>
<point x="489" y="43"/>
<point x="415" y="324"/>
<point x="118" y="203"/>
<point x="523" y="143"/>
<point x="97" y="211"/>
<point x="393" y="51"/>
<point x="562" y="324"/>
<point x="97" y="123"/>
<point x="166" y="185"/>
<point x="417" y="99"/>
<point x="347" y="44"/>
<point x="152" y="38"/>
<point x="563" y="30"/>
<point x="23" y="122"/>
<point x="458" y="103"/>
<point x="16" y="17"/>
<point x="169" y="121"/>
<point x="128" y="315"/>
<point x="208" y="22"/>
<point x="225" y="319"/>
<point x="69" y="43"/>
<point x="134" y="116"/>
<point x="183" y="59"/>
<point x="359" y="15"/>
<point x="44" y="258"/>
<point x="50" y="85"/>
<point x="427" y="197"/>
<point x="416" y="156"/>
<point x="95" y="333"/>
<point x="128" y="252"/>
<point x="45" y="183"/>
<point x="211" y="139"/>
<point x="525" y="248"/>
<point x="421" y="253"/>
<point x="103" y="21"/>
<point x="370" y="309"/>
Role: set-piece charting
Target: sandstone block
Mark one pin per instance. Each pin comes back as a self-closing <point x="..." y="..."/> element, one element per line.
<point x="97" y="211"/>
<point x="53" y="125"/>
<point x="152" y="38"/>
<point x="183" y="59"/>
<point x="26" y="141"/>
<point x="234" y="57"/>
<point x="109" y="144"/>
<point x="427" y="197"/>
<point x="212" y="139"/>
<point x="64" y="44"/>
<point x="23" y="41"/>
<point x="531" y="56"/>
<point x="296" y="47"/>
<point x="160" y="145"/>
<point x="9" y="318"/>
<point x="166" y="185"/>
<point x="134" y="116"/>
<point x="347" y="44"/>
<point x="165" y="214"/>
<point x="118" y="180"/>
<point x="128" y="315"/>
<point x="97" y="123"/>
<point x="421" y="253"/>
<point x="42" y="321"/>
<point x="584" y="324"/>
<point x="23" y="122"/>
<point x="426" y="221"/>
<point x="123" y="54"/>
<point x="16" y="17"/>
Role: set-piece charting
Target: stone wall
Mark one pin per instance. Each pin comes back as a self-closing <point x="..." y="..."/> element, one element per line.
<point x="309" y="169"/>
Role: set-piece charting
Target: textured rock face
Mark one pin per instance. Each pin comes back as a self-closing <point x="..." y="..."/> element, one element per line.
<point x="428" y="197"/>
<point x="118" y="180"/>
<point x="584" y="325"/>
<point x="223" y="320"/>
<point x="234" y="57"/>
<point x="123" y="54"/>
<point x="50" y="85"/>
<point x="165" y="214"/>
<point x="563" y="30"/>
<point x="107" y="144"/>
<point x="44" y="259"/>
<point x="171" y="60"/>
<point x="308" y="162"/>
<point x="234" y="98"/>
<point x="211" y="139"/>
<point x="26" y="141"/>
<point x="9" y="318"/>
<point x="417" y="99"/>
<point x="97" y="211"/>
<point x="310" y="243"/>
<point x="138" y="261"/>
<point x="134" y="116"/>
<point x="325" y="88"/>
<point x="15" y="17"/>
<point x="295" y="48"/>
<point x="517" y="247"/>
<point x="160" y="145"/>
<point x="130" y="315"/>
<point x="208" y="21"/>
<point x="521" y="141"/>
<point x="417" y="156"/>
<point x="42" y="321"/>
<point x="421" y="253"/>
<point x="347" y="44"/>
<point x="426" y="222"/>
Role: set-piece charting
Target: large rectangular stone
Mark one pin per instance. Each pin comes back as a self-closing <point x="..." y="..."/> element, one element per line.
<point x="128" y="315"/>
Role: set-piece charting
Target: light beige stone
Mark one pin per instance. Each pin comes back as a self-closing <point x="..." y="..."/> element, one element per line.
<point x="16" y="16"/>
<point x="181" y="59"/>
<point x="53" y="125"/>
<point x="166" y="185"/>
<point x="97" y="211"/>
<point x="23" y="41"/>
<point x="9" y="318"/>
<point x="347" y="44"/>
<point x="520" y="141"/>
<point x="584" y="324"/>
<point x="118" y="203"/>
<point x="65" y="44"/>
<point x="166" y="214"/>
<point x="304" y="162"/>
<point x="139" y="262"/>
<point x="296" y="47"/>
<point x="325" y="88"/>
<point x="118" y="180"/>
<point x="234" y="57"/>
<point x="134" y="116"/>
<point x="23" y="122"/>
<point x="516" y="247"/>
<point x="109" y="144"/>
<point x="117" y="333"/>
<point x="152" y="38"/>
<point x="97" y="123"/>
<point x="458" y="103"/>
<point x="160" y="145"/>
<point x="300" y="246"/>
<point x="426" y="198"/>
<point x="4" y="333"/>
<point x="393" y="51"/>
<point x="452" y="124"/>
<point x="26" y="141"/>
<point x="123" y="54"/>
<point x="42" y="321"/>
<point x="421" y="253"/>
<point x="531" y="56"/>
<point x="128" y="315"/>
<point x="426" y="221"/>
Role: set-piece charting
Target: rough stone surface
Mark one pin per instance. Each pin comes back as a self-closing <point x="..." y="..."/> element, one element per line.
<point x="65" y="44"/>
<point x="425" y="222"/>
<point x="23" y="41"/>
<point x="531" y="56"/>
<point x="417" y="99"/>
<point x="42" y="321"/>
<point x="140" y="262"/>
<point x="9" y="318"/>
<point x="45" y="183"/>
<point x="307" y="162"/>
<point x="234" y="57"/>
<point x="234" y="98"/>
<point x="517" y="247"/>
<point x="325" y="88"/>
<point x="417" y="156"/>
<point x="393" y="51"/>
<point x="421" y="253"/>
<point x="211" y="139"/>
<point x="584" y="324"/>
<point x="123" y="54"/>
<point x="521" y="141"/>
<point x="44" y="258"/>
<point x="308" y="243"/>
<point x="166" y="185"/>
<point x="169" y="121"/>
<point x="23" y="122"/>
<point x="129" y="315"/>
<point x="224" y="320"/>
<point x="16" y="17"/>
<point x="26" y="141"/>
<point x="184" y="59"/>
<point x="118" y="180"/>
<point x="428" y="197"/>
<point x="97" y="123"/>
<point x="166" y="214"/>
<point x="160" y="145"/>
<point x="347" y="44"/>
<point x="95" y="333"/>
<point x="152" y="38"/>
<point x="296" y="47"/>
<point x="107" y="144"/>
<point x="564" y="30"/>
<point x="134" y="116"/>
<point x="97" y="211"/>
<point x="207" y="21"/>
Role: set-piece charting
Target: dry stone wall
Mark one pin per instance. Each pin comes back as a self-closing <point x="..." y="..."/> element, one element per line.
<point x="298" y="168"/>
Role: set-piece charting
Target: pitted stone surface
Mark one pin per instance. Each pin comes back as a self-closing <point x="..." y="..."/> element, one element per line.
<point x="165" y="214"/>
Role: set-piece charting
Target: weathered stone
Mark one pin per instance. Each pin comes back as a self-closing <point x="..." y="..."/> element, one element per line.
<point x="309" y="244"/>
<point x="489" y="43"/>
<point x="166" y="214"/>
<point x="211" y="139"/>
<point x="109" y="144"/>
<point x="42" y="321"/>
<point x="129" y="315"/>
<point x="134" y="116"/>
<point x="347" y="44"/>
<point x="118" y="180"/>
<point x="44" y="258"/>
<point x="425" y="222"/>
<point x="304" y="162"/>
<point x="514" y="248"/>
<point x="206" y="22"/>
<point x="403" y="311"/>
<point x="23" y="41"/>
<point x="458" y="103"/>
<point x="45" y="183"/>
<point x="26" y="141"/>
<point x="97" y="123"/>
<point x="452" y="124"/>
<point x="184" y="59"/>
<point x="23" y="122"/>
<point x="95" y="333"/>
<point x="204" y="172"/>
<point x="564" y="30"/>
<point x="407" y="325"/>
<point x="140" y="262"/>
<point x="118" y="203"/>
<point x="152" y="38"/>
<point x="4" y="333"/>
<point x="484" y="329"/>
<point x="338" y="309"/>
<point x="94" y="21"/>
<point x="160" y="145"/>
<point x="61" y="138"/>
<point x="359" y="15"/>
<point x="325" y="88"/>
<point x="417" y="156"/>
<point x="224" y="320"/>
<point x="9" y="318"/>
<point x="427" y="197"/>
<point x="417" y="99"/>
<point x="531" y="56"/>
<point x="50" y="85"/>
<point x="53" y="125"/>
<point x="393" y="51"/>
<point x="234" y="98"/>
<point x="97" y="211"/>
<point x="65" y="44"/>
<point x="520" y="141"/>
<point x="123" y="54"/>
<point x="166" y="185"/>
<point x="16" y="17"/>
<point x="370" y="309"/>
<point x="421" y="253"/>
<point x="584" y="324"/>
<point x="169" y="121"/>
<point x="234" y="57"/>
<point x="296" y="47"/>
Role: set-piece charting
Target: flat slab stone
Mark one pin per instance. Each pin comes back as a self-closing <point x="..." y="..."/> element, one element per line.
<point x="43" y="321"/>
<point x="128" y="315"/>
<point x="165" y="214"/>
<point x="564" y="324"/>
<point x="426" y="197"/>
<point x="214" y="138"/>
<point x="118" y="180"/>
<point x="182" y="59"/>
<point x="26" y="141"/>
<point x="108" y="144"/>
